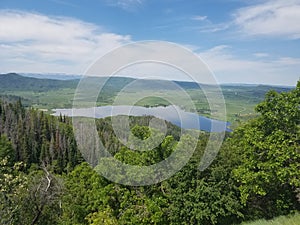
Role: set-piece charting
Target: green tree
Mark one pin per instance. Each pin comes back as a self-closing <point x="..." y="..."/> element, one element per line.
<point x="13" y="183"/>
<point x="86" y="194"/>
<point x="42" y="198"/>
<point x="102" y="217"/>
<point x="6" y="149"/>
<point x="269" y="153"/>
<point x="204" y="197"/>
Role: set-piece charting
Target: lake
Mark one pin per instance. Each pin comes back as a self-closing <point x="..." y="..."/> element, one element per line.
<point x="173" y="114"/>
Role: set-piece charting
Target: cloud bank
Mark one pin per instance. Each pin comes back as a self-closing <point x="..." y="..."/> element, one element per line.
<point x="270" y="18"/>
<point x="30" y="41"/>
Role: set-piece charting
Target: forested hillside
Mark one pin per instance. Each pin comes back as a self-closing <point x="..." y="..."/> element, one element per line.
<point x="43" y="179"/>
<point x="37" y="137"/>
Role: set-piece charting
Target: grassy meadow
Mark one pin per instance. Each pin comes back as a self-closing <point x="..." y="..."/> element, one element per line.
<point x="283" y="220"/>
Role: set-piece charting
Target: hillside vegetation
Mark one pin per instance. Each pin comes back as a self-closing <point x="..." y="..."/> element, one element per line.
<point x="44" y="179"/>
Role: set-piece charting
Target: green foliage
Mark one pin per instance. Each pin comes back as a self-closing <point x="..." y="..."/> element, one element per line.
<point x="85" y="194"/>
<point x="209" y="197"/>
<point x="13" y="184"/>
<point x="268" y="148"/>
<point x="102" y="217"/>
<point x="28" y="198"/>
<point x="6" y="149"/>
<point x="41" y="199"/>
<point x="141" y="132"/>
<point x="37" y="137"/>
<point x="111" y="142"/>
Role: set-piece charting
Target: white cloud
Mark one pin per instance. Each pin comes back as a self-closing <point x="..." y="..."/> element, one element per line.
<point x="221" y="60"/>
<point x="229" y="68"/>
<point x="59" y="44"/>
<point x="270" y="18"/>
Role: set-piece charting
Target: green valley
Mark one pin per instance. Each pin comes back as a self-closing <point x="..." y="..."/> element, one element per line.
<point x="50" y="94"/>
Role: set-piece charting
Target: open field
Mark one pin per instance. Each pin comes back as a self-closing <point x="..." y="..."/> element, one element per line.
<point x="283" y="220"/>
<point x="61" y="98"/>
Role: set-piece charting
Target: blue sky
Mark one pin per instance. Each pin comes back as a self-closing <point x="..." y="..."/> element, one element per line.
<point x="241" y="41"/>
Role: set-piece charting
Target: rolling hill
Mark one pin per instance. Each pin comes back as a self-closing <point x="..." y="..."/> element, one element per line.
<point x="16" y="82"/>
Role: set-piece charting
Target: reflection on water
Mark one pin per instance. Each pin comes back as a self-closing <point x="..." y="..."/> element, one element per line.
<point x="171" y="113"/>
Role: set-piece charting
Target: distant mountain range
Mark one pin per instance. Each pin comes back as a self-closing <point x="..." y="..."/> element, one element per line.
<point x="46" y="82"/>
<point x="53" y="76"/>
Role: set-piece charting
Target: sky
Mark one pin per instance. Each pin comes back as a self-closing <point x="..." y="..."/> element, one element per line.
<point x="241" y="41"/>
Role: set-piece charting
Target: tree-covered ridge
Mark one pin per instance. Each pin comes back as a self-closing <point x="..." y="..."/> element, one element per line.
<point x="255" y="175"/>
<point x="112" y="143"/>
<point x="13" y="81"/>
<point x="37" y="137"/>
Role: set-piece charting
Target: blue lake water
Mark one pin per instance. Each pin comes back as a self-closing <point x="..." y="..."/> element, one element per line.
<point x="173" y="114"/>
